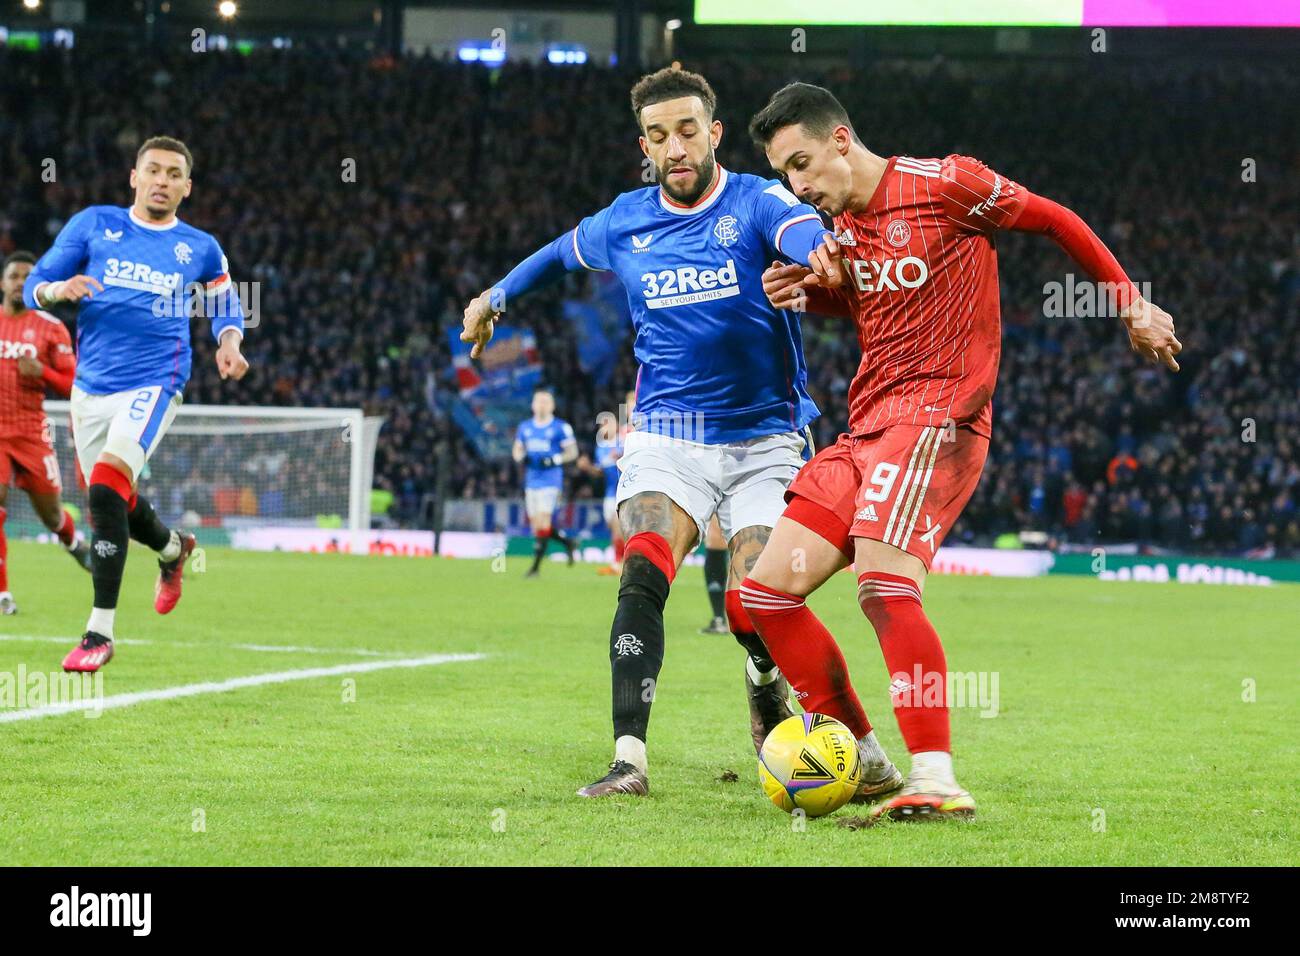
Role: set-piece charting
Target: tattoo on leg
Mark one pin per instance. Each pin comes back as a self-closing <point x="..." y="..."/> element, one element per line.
<point x="746" y="546"/>
<point x="648" y="511"/>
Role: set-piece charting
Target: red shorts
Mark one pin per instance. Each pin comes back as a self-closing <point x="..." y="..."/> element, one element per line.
<point x="905" y="485"/>
<point x="31" y="464"/>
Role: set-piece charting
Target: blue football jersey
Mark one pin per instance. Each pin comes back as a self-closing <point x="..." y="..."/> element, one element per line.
<point x="136" y="332"/>
<point x="539" y="440"/>
<point x="718" y="363"/>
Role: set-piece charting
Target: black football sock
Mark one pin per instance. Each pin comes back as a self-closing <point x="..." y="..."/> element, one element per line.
<point x="145" y="526"/>
<point x="565" y="543"/>
<point x="636" y="644"/>
<point x="108" y="545"/>
<point x="756" y="649"/>
<point x="715" y="578"/>
<point x="539" y="549"/>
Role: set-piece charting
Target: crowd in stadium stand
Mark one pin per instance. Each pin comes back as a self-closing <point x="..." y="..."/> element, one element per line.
<point x="1189" y="172"/>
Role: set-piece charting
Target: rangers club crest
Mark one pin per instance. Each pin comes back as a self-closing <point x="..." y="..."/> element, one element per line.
<point x="725" y="231"/>
<point x="183" y="253"/>
<point x="898" y="233"/>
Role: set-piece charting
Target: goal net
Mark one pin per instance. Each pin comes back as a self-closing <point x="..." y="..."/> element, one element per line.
<point x="231" y="467"/>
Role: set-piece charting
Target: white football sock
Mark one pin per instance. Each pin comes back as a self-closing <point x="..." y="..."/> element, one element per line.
<point x="869" y="749"/>
<point x="934" y="763"/>
<point x="631" y="750"/>
<point x="172" y="549"/>
<point x="101" y="621"/>
<point x="757" y="676"/>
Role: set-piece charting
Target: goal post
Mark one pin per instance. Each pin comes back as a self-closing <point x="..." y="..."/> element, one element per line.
<point x="248" y="466"/>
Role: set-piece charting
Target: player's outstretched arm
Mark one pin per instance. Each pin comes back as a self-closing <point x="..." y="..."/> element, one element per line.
<point x="580" y="248"/>
<point x="1150" y="328"/>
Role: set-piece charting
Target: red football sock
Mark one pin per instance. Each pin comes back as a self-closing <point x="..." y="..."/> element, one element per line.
<point x="806" y="653"/>
<point x="4" y="553"/>
<point x="620" y="546"/>
<point x="67" y="530"/>
<point x="655" y="549"/>
<point x="918" y="669"/>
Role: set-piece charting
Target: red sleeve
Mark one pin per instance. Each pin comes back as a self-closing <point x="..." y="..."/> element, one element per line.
<point x="60" y="366"/>
<point x="60" y="381"/>
<point x="976" y="198"/>
<point x="1072" y="234"/>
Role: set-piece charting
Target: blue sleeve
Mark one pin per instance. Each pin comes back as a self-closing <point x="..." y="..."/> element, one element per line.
<point x="65" y="259"/>
<point x="579" y="248"/>
<point x="221" y="298"/>
<point x="791" y="229"/>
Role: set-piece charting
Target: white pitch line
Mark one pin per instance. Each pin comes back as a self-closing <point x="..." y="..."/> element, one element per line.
<point x="260" y="648"/>
<point x="234" y="683"/>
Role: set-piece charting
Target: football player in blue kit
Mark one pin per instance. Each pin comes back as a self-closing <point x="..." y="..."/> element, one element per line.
<point x="722" y="405"/>
<point x="544" y="445"/>
<point x="140" y="273"/>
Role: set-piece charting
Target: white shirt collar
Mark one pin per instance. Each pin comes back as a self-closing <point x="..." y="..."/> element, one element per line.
<point x="701" y="204"/>
<point x="155" y="226"/>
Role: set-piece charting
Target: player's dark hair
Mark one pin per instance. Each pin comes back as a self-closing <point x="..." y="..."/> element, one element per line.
<point x="813" y="107"/>
<point x="172" y="145"/>
<point x="18" y="255"/>
<point x="671" y="83"/>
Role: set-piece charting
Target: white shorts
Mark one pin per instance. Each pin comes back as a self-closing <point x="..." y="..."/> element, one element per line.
<point x="743" y="483"/>
<point x="127" y="424"/>
<point x="610" y="507"/>
<point x="541" y="501"/>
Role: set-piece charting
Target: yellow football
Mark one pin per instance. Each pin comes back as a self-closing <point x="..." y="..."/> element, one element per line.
<point x="810" y="762"/>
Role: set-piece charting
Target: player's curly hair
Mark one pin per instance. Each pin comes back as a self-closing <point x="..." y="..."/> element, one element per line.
<point x="671" y="83"/>
<point x="813" y="107"/>
<point x="172" y="145"/>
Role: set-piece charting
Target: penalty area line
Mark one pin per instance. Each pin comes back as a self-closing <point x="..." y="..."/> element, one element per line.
<point x="235" y="683"/>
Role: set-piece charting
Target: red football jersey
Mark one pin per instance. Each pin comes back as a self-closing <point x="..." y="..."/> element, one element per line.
<point x="38" y="335"/>
<point x="923" y="288"/>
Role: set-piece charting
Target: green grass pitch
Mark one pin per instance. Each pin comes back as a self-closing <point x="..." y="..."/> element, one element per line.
<point x="1121" y="737"/>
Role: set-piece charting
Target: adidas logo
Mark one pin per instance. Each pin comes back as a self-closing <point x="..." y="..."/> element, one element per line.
<point x="867" y="514"/>
<point x="845" y="237"/>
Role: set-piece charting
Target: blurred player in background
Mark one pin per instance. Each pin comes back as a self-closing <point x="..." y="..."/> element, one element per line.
<point x="609" y="449"/>
<point x="544" y="445"/>
<point x="142" y="273"/>
<point x="715" y="577"/>
<point x="721" y="405"/>
<point x="35" y="354"/>
<point x="917" y="270"/>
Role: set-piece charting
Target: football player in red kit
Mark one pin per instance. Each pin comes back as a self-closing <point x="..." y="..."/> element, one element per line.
<point x="914" y="264"/>
<point x="35" y="354"/>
